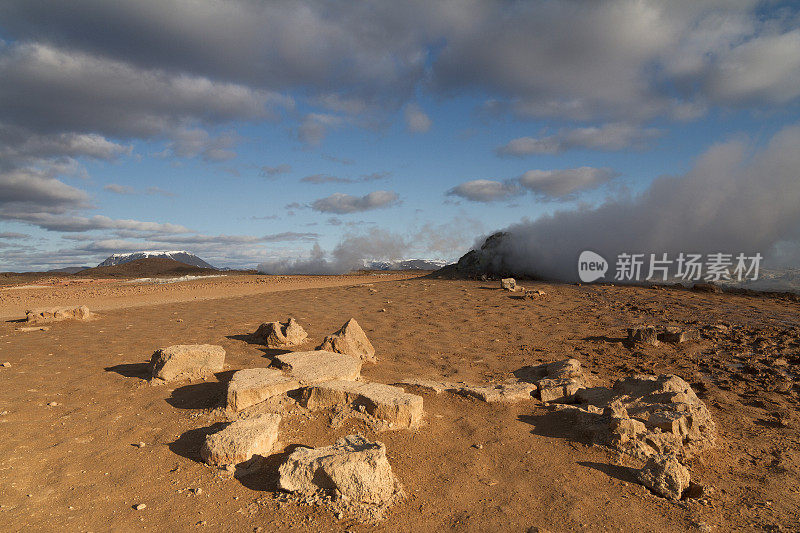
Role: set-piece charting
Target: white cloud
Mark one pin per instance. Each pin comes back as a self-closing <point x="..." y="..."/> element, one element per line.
<point x="485" y="190"/>
<point x="565" y="183"/>
<point x="341" y="203"/>
<point x="116" y="188"/>
<point x="608" y="138"/>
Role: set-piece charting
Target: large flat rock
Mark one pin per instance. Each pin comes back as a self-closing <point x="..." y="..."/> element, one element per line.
<point x="187" y="361"/>
<point x="319" y="366"/>
<point x="353" y="469"/>
<point x="397" y="408"/>
<point x="254" y="385"/>
<point x="241" y="441"/>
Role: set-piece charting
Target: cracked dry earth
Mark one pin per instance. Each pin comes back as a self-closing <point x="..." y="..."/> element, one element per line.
<point x="75" y="406"/>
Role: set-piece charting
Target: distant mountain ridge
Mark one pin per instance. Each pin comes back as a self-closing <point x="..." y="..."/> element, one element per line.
<point x="182" y="256"/>
<point x="405" y="264"/>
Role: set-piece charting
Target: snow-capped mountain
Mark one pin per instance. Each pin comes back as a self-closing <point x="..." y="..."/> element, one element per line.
<point x="406" y="264"/>
<point x="176" y="255"/>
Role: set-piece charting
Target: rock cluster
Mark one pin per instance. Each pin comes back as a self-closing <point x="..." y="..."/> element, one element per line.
<point x="350" y="340"/>
<point x="557" y="381"/>
<point x="644" y="416"/>
<point x="653" y="336"/>
<point x="280" y="334"/>
<point x="56" y="314"/>
<point x="353" y="473"/>
<point x="186" y="361"/>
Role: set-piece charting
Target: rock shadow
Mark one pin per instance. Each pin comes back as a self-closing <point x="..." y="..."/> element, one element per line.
<point x="131" y="370"/>
<point x="622" y="473"/>
<point x="605" y="338"/>
<point x="189" y="443"/>
<point x="204" y="395"/>
<point x="265" y="478"/>
<point x="554" y="425"/>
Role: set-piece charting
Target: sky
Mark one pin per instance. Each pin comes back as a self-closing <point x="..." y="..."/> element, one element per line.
<point x="252" y="132"/>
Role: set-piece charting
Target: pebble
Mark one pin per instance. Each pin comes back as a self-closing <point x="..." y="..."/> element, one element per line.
<point x="140" y="444"/>
<point x="6" y="365"/>
<point x="198" y="491"/>
<point x="140" y="507"/>
<point x="478" y="446"/>
<point x="52" y="404"/>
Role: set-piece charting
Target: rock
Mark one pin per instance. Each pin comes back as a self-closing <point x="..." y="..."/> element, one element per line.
<point x="140" y="444"/>
<point x="676" y="335"/>
<point x="56" y="314"/>
<point x="501" y="393"/>
<point x="645" y="416"/>
<point x="707" y="287"/>
<point x="664" y="475"/>
<point x="319" y="366"/>
<point x="508" y="284"/>
<point x="392" y="405"/>
<point x="350" y="340"/>
<point x="241" y="440"/>
<point x="643" y="335"/>
<point x="140" y="507"/>
<point x="534" y="294"/>
<point x="354" y="471"/>
<point x="187" y="361"/>
<point x="6" y="365"/>
<point x="280" y="335"/>
<point x="254" y="385"/>
<point x="558" y="381"/>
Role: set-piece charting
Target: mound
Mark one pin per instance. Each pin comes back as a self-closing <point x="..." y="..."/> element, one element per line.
<point x="145" y="268"/>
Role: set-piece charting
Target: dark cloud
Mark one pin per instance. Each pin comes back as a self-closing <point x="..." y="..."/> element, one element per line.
<point x="341" y="203"/>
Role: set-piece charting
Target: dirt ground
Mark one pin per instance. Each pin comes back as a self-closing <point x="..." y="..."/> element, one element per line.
<point x="72" y="465"/>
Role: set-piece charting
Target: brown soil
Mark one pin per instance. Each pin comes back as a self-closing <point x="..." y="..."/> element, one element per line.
<point x="472" y="467"/>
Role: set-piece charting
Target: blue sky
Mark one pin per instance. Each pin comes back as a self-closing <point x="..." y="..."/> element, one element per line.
<point x="249" y="132"/>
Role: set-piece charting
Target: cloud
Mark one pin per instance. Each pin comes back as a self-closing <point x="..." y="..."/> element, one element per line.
<point x="718" y="206"/>
<point x="271" y="172"/>
<point x="417" y="121"/>
<point x="554" y="185"/>
<point x="340" y="160"/>
<point x="341" y="203"/>
<point x="188" y="143"/>
<point x="30" y="190"/>
<point x="50" y="90"/>
<point x="375" y="176"/>
<point x="155" y="190"/>
<point x="314" y="127"/>
<point x="485" y="190"/>
<point x="609" y="137"/>
<point x="324" y="178"/>
<point x="119" y="189"/>
<point x="565" y="184"/>
<point x="76" y="224"/>
<point x="13" y="235"/>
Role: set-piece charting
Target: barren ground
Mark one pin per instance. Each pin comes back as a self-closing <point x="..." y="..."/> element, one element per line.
<point x="472" y="467"/>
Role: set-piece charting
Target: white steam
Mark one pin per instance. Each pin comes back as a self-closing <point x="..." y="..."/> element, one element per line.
<point x="735" y="200"/>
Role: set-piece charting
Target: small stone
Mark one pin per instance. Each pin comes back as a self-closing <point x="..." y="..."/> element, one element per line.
<point x="478" y="446"/>
<point x="52" y="404"/>
<point x="6" y="365"/>
<point x="508" y="284"/>
<point x="643" y="335"/>
<point x="140" y="507"/>
<point x="197" y="492"/>
<point x="140" y="444"/>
